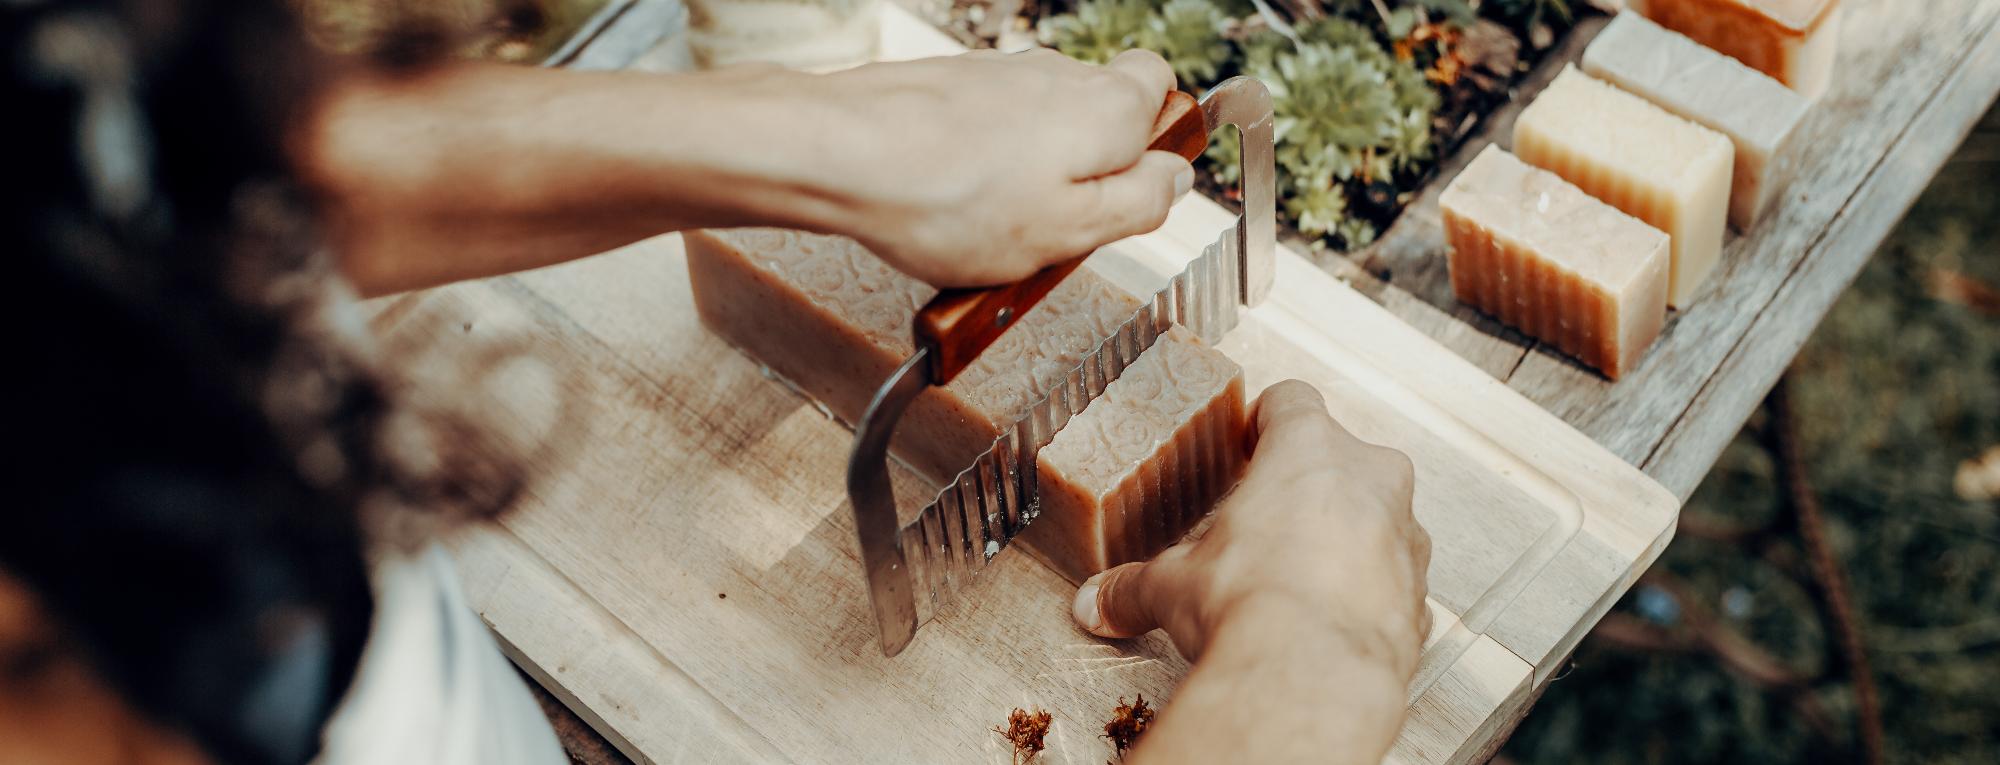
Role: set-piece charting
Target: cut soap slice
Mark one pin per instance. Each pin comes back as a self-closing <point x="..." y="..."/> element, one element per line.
<point x="1659" y="168"/>
<point x="1543" y="256"/>
<point x="1793" y="41"/>
<point x="1136" y="470"/>
<point x="834" y="320"/>
<point x="1758" y="113"/>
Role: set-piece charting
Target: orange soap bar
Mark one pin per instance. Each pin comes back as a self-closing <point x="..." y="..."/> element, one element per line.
<point x="1539" y="254"/>
<point x="834" y="320"/>
<point x="1793" y="41"/>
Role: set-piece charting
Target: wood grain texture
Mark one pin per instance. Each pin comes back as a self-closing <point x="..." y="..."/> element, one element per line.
<point x="1903" y="74"/>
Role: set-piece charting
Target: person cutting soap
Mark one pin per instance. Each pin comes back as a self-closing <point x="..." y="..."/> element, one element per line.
<point x="225" y="547"/>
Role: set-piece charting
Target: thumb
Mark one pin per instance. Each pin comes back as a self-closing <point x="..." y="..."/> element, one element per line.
<point x="1119" y="602"/>
<point x="1132" y="201"/>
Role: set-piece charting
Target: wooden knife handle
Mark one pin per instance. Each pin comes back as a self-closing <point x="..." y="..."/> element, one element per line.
<point x="958" y="324"/>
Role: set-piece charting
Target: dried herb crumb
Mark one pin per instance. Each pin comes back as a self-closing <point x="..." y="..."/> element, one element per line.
<point x="1128" y="722"/>
<point x="1026" y="730"/>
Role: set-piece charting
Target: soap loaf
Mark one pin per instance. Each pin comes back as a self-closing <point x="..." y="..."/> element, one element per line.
<point x="1538" y="253"/>
<point x="1793" y="41"/>
<point x="834" y="320"/>
<point x="1664" y="170"/>
<point x="1757" y="113"/>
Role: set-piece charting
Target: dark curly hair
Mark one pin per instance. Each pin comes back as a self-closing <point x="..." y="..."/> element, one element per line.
<point x="202" y="455"/>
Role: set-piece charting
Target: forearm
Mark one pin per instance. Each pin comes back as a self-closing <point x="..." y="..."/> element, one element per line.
<point x="1279" y="686"/>
<point x="474" y="170"/>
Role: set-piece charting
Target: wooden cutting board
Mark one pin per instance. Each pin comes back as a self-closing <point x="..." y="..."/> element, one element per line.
<point x="683" y="570"/>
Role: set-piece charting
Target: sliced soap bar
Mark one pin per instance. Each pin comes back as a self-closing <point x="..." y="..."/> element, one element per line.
<point x="834" y="320"/>
<point x="1659" y="168"/>
<point x="1539" y="254"/>
<point x="1136" y="470"/>
<point x="1793" y="41"/>
<point x="1757" y="113"/>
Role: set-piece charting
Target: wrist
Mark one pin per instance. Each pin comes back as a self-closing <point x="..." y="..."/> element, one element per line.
<point x="823" y="156"/>
<point x="1340" y="626"/>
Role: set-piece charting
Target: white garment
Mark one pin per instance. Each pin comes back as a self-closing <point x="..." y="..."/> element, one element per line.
<point x="432" y="687"/>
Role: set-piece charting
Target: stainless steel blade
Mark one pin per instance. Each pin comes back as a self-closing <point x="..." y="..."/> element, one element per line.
<point x="874" y="501"/>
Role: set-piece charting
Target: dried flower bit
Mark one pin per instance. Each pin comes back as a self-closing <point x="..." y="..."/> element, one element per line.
<point x="1026" y="731"/>
<point x="1128" y="722"/>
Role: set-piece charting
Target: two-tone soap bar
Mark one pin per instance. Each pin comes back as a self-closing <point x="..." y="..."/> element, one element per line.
<point x="828" y="316"/>
<point x="1757" y="113"/>
<point x="1620" y="148"/>
<point x="1541" y="255"/>
<point x="1793" y="41"/>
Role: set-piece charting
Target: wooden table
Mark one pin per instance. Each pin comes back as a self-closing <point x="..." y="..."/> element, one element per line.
<point x="1912" y="84"/>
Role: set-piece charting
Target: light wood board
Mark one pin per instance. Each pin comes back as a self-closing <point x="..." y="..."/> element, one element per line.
<point x="683" y="574"/>
<point x="1911" y="80"/>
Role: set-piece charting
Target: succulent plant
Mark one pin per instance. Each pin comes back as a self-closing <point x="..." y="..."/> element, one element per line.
<point x="1188" y="34"/>
<point x="1350" y="114"/>
<point x="1099" y="30"/>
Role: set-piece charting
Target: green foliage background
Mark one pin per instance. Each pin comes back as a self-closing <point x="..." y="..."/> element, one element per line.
<point x="1352" y="119"/>
<point x="1894" y="389"/>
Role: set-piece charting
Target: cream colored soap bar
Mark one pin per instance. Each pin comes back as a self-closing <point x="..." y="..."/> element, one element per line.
<point x="1793" y="41"/>
<point x="834" y="320"/>
<point x="1661" y="169"/>
<point x="1680" y="75"/>
<point x="1541" y="255"/>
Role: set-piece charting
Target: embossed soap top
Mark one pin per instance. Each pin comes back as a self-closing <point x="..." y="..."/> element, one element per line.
<point x="1141" y="410"/>
<point x="1538" y="209"/>
<point x="839" y="275"/>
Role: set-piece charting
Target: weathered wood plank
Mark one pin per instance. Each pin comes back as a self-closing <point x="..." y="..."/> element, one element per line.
<point x="1697" y="437"/>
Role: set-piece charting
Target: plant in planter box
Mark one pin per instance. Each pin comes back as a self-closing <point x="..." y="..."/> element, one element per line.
<point x="1363" y="89"/>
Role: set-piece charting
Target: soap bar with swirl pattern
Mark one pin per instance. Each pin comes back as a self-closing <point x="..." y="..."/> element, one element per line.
<point x="834" y="320"/>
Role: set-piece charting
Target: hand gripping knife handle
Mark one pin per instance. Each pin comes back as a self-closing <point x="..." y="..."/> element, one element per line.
<point x="994" y="499"/>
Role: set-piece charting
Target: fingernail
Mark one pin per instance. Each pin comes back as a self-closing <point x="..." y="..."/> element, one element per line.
<point x="1183" y="181"/>
<point x="1084" y="610"/>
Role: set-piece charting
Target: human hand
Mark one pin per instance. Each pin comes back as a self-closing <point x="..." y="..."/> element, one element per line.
<point x="982" y="168"/>
<point x="1319" y="529"/>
